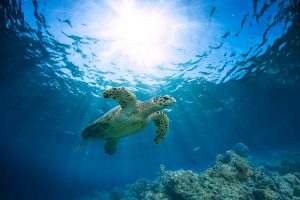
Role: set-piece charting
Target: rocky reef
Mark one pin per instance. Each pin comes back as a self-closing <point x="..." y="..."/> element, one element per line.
<point x="233" y="176"/>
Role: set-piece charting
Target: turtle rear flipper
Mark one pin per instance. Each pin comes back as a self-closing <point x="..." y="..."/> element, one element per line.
<point x="82" y="144"/>
<point x="111" y="146"/>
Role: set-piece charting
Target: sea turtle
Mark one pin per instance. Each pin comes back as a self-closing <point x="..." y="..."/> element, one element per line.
<point x="128" y="118"/>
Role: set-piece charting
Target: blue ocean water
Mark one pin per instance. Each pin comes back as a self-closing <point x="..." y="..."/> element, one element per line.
<point x="233" y="67"/>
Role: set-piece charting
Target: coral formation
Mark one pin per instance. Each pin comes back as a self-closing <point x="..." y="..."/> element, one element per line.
<point x="230" y="167"/>
<point x="233" y="176"/>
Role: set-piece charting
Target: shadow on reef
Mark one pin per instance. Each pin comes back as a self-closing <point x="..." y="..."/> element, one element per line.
<point x="234" y="175"/>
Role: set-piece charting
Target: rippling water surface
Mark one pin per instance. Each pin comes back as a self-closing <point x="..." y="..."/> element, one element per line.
<point x="233" y="67"/>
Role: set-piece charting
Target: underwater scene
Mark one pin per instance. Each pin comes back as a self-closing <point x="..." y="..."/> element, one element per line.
<point x="150" y="99"/>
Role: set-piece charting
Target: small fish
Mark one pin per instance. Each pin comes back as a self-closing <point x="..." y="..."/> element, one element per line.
<point x="197" y="148"/>
<point x="193" y="161"/>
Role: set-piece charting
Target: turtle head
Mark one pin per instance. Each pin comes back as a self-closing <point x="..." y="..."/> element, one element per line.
<point x="164" y="101"/>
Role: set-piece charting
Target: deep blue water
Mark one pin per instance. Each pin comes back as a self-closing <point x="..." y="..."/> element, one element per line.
<point x="234" y="69"/>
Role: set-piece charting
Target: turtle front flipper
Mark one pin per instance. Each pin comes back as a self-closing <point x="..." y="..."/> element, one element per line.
<point x="124" y="97"/>
<point x="111" y="146"/>
<point x="161" y="122"/>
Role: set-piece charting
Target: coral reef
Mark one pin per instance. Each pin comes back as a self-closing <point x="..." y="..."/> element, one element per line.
<point x="283" y="163"/>
<point x="233" y="176"/>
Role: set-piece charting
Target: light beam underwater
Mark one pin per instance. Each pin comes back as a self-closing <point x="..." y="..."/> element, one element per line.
<point x="142" y="35"/>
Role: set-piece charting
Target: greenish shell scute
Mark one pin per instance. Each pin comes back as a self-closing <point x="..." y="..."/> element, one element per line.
<point x="117" y="123"/>
<point x="94" y="130"/>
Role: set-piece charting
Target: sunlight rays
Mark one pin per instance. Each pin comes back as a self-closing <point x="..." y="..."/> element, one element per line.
<point x="142" y="37"/>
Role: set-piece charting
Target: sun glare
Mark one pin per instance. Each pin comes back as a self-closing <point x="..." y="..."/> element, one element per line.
<point x="143" y="35"/>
